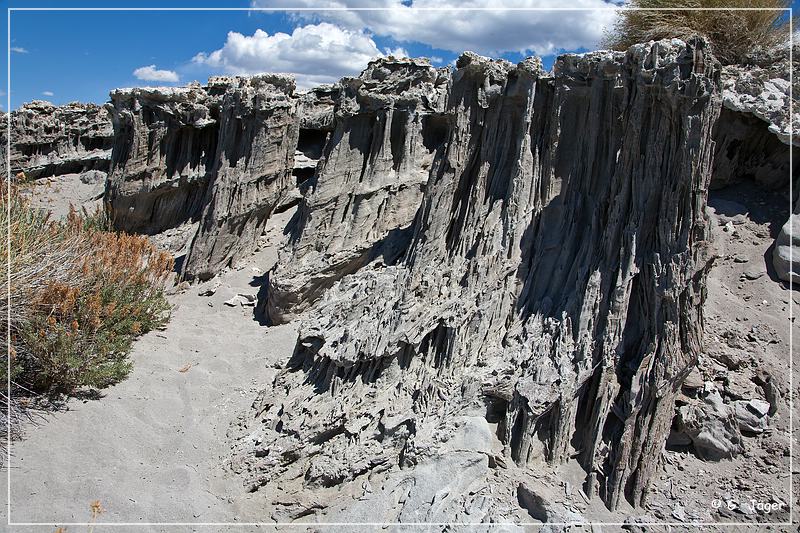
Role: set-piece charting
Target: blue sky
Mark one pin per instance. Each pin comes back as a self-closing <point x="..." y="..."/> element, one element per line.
<point x="63" y="56"/>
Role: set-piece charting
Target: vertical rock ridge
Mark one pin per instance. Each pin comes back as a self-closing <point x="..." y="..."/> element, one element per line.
<point x="368" y="182"/>
<point x="220" y="155"/>
<point x="163" y="156"/>
<point x="557" y="208"/>
<point x="258" y="132"/>
<point x="637" y="249"/>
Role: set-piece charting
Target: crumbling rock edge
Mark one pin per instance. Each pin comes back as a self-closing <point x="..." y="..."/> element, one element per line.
<point x="51" y="140"/>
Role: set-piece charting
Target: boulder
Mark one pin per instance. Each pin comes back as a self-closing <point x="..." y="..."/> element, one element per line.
<point x="542" y="507"/>
<point x="710" y="425"/>
<point x="752" y="415"/>
<point x="786" y="253"/>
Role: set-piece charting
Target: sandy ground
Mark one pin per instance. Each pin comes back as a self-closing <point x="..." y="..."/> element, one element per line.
<point x="57" y="193"/>
<point x="154" y="447"/>
<point x="746" y="323"/>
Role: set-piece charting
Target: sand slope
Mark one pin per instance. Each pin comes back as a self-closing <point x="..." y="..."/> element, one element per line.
<point x="153" y="449"/>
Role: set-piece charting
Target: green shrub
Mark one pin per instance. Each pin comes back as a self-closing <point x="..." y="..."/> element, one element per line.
<point x="733" y="35"/>
<point x="79" y="296"/>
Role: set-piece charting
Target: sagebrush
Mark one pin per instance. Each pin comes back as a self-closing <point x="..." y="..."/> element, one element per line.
<point x="79" y="295"/>
<point x="733" y="35"/>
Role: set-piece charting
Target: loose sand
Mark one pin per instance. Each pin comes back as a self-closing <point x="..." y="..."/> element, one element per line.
<point x="154" y="447"/>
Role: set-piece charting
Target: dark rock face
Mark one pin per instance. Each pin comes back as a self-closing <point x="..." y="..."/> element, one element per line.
<point x="752" y="135"/>
<point x="221" y="155"/>
<point x="387" y="126"/>
<point x="746" y="149"/>
<point x="165" y="143"/>
<point x="554" y="273"/>
<point x="48" y="140"/>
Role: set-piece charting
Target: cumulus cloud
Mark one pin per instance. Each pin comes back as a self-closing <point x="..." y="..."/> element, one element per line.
<point x="396" y="52"/>
<point x="19" y="50"/>
<point x="315" y="54"/>
<point x="487" y="32"/>
<point x="48" y="93"/>
<point x="151" y="73"/>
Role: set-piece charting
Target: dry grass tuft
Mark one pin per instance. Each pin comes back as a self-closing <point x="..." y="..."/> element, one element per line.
<point x="733" y="35"/>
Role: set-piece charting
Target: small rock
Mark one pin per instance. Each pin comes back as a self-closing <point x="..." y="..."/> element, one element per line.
<point x="759" y="407"/>
<point x="93" y="176"/>
<point x="710" y="425"/>
<point x="179" y="288"/>
<point x="739" y="387"/>
<point x="248" y="300"/>
<point x="751" y="415"/>
<point x="679" y="513"/>
<point x="753" y="275"/>
<point x="245" y="300"/>
<point x="694" y="380"/>
<point x="211" y="289"/>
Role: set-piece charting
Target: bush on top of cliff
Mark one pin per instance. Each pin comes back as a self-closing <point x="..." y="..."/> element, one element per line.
<point x="79" y="296"/>
<point x="733" y="35"/>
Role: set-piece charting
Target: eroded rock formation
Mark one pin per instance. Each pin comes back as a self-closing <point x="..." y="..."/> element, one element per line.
<point x="48" y="140"/>
<point x="753" y="134"/>
<point x="387" y="125"/>
<point x="221" y="155"/>
<point x="165" y="142"/>
<point x="258" y="129"/>
<point x="553" y="278"/>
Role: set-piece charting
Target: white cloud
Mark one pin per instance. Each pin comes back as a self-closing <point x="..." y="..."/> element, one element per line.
<point x="151" y="73"/>
<point x="315" y="54"/>
<point x="47" y="93"/>
<point x="487" y="32"/>
<point x="396" y="52"/>
<point x="19" y="50"/>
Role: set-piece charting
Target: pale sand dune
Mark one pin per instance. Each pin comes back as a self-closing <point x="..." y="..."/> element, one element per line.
<point x="154" y="448"/>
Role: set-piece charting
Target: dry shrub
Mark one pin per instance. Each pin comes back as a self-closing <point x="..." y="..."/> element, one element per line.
<point x="733" y="35"/>
<point x="79" y="296"/>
